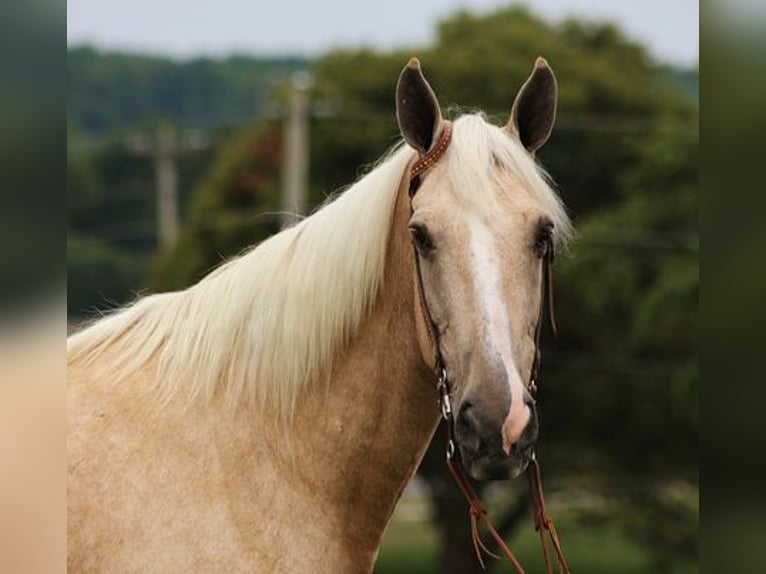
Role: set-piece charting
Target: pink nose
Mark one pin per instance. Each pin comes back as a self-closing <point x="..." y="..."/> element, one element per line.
<point x="514" y="425"/>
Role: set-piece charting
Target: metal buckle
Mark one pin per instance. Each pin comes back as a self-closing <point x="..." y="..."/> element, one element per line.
<point x="450" y="449"/>
<point x="444" y="395"/>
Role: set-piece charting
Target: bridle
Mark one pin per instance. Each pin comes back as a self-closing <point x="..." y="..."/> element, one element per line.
<point x="477" y="510"/>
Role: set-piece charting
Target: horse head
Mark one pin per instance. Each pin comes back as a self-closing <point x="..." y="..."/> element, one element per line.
<point x="483" y="221"/>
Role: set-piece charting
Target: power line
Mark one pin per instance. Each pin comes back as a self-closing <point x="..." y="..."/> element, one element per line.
<point x="581" y="123"/>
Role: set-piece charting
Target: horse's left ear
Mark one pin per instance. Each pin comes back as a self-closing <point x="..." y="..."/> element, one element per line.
<point x="534" y="109"/>
<point x="417" y="109"/>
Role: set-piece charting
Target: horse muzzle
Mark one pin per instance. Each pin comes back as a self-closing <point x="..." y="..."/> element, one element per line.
<point x="481" y="445"/>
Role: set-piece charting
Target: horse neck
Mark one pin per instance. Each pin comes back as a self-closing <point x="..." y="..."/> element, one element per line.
<point x="361" y="441"/>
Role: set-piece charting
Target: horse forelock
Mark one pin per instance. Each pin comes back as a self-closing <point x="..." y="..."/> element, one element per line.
<point x="478" y="149"/>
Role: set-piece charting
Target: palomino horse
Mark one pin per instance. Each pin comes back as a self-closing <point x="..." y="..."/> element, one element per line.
<point x="268" y="418"/>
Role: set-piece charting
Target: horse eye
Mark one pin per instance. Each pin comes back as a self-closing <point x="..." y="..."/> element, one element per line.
<point x="421" y="238"/>
<point x="543" y="239"/>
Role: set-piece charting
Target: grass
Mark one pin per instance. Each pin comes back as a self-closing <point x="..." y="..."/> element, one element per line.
<point x="411" y="547"/>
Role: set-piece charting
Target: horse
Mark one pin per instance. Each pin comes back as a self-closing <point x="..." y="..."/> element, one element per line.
<point x="268" y="418"/>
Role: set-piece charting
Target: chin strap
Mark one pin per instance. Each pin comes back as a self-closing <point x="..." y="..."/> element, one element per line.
<point x="476" y="509"/>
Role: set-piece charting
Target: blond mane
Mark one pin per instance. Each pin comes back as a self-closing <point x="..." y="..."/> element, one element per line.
<point x="265" y="324"/>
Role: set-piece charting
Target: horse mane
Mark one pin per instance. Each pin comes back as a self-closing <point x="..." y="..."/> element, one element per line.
<point x="265" y="324"/>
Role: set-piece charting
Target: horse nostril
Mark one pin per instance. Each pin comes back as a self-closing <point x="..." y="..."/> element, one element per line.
<point x="466" y="416"/>
<point x="529" y="434"/>
<point x="520" y="427"/>
<point x="469" y="427"/>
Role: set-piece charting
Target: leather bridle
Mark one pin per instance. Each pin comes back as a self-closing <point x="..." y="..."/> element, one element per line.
<point x="477" y="510"/>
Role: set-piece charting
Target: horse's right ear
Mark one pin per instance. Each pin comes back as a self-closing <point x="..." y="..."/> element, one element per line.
<point x="417" y="109"/>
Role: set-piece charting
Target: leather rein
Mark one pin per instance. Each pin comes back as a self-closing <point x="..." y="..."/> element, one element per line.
<point x="477" y="510"/>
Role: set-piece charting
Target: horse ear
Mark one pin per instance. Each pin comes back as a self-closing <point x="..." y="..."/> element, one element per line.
<point x="417" y="109"/>
<point x="534" y="109"/>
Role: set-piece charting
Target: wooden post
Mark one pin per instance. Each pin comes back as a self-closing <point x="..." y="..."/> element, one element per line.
<point x="296" y="152"/>
<point x="165" y="150"/>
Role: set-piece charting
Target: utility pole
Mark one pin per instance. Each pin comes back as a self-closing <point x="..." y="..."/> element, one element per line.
<point x="296" y="151"/>
<point x="165" y="148"/>
<point x="166" y="178"/>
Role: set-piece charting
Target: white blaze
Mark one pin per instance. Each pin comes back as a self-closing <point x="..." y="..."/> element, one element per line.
<point x="488" y="283"/>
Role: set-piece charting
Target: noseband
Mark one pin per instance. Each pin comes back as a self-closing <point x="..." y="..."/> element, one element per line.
<point x="477" y="510"/>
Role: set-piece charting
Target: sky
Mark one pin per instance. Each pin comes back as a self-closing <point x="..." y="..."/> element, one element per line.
<point x="185" y="28"/>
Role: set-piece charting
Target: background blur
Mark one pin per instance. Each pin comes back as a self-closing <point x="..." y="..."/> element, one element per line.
<point x="178" y="124"/>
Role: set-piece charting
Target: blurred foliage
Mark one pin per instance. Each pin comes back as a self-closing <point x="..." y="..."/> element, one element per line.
<point x="111" y="201"/>
<point x="243" y="180"/>
<point x="619" y="400"/>
<point x="116" y="98"/>
<point x="99" y="275"/>
<point x="108" y="91"/>
<point x="627" y="366"/>
<point x="734" y="203"/>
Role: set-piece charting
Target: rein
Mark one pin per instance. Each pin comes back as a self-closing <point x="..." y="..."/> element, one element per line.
<point x="476" y="508"/>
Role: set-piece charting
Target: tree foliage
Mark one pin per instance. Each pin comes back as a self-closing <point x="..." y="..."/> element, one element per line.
<point x="100" y="275"/>
<point x="222" y="216"/>
<point x="108" y="91"/>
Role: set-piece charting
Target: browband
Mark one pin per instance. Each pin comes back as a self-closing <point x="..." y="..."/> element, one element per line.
<point x="430" y="158"/>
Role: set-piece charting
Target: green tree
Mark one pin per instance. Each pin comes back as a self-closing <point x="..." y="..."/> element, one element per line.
<point x="226" y="213"/>
<point x="630" y="294"/>
<point x="110" y="90"/>
<point x="99" y="273"/>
